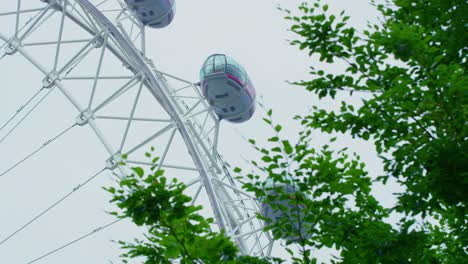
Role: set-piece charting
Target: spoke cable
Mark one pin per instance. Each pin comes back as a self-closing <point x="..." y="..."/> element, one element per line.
<point x="27" y="114"/>
<point x="76" y="240"/>
<point x="21" y="108"/>
<point x="45" y="144"/>
<point x="8" y="42"/>
<point x="78" y="187"/>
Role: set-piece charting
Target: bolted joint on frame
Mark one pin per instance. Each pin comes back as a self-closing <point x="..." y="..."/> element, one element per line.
<point x="12" y="46"/>
<point x="84" y="117"/>
<point x="141" y="77"/>
<point x="127" y="66"/>
<point x="98" y="42"/>
<point x="150" y="63"/>
<point x="50" y="79"/>
<point x="114" y="161"/>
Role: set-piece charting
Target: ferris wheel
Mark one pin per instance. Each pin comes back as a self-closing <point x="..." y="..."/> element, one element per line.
<point x="92" y="53"/>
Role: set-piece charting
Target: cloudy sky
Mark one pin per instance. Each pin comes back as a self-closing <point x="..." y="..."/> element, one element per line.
<point x="251" y="31"/>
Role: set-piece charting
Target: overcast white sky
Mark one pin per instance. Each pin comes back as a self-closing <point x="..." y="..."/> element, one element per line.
<point x="251" y="31"/>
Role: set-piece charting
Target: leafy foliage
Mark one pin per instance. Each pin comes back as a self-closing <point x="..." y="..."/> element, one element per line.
<point x="411" y="67"/>
<point x="332" y="205"/>
<point x="176" y="230"/>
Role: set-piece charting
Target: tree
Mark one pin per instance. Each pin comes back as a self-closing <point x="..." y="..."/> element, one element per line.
<point x="332" y="204"/>
<point x="412" y="68"/>
<point x="175" y="229"/>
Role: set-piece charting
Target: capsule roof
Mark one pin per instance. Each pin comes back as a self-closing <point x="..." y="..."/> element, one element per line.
<point x="221" y="63"/>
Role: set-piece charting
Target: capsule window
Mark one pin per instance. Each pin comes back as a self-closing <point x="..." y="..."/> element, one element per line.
<point x="220" y="96"/>
<point x="225" y="110"/>
<point x="151" y="13"/>
<point x="143" y="14"/>
<point x="232" y="108"/>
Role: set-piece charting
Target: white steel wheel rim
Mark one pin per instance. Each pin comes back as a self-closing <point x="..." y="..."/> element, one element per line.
<point x="188" y="116"/>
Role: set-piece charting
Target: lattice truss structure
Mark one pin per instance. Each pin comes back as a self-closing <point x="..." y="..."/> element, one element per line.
<point x="93" y="54"/>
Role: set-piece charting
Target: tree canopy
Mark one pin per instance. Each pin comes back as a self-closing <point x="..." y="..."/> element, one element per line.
<point x="411" y="67"/>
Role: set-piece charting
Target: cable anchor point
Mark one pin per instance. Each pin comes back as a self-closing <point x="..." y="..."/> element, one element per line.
<point x="50" y="79"/>
<point x="114" y="161"/>
<point x="12" y="46"/>
<point x="84" y="117"/>
<point x="98" y="42"/>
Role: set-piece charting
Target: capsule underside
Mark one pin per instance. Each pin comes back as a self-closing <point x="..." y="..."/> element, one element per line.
<point x="153" y="13"/>
<point x="293" y="212"/>
<point x="228" y="89"/>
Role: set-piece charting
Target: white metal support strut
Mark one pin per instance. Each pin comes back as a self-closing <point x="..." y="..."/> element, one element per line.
<point x="195" y="122"/>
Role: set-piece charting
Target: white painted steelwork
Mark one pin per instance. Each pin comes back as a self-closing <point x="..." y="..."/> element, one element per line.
<point x="110" y="34"/>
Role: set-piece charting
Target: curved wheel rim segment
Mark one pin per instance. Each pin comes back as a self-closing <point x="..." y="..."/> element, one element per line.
<point x="105" y="33"/>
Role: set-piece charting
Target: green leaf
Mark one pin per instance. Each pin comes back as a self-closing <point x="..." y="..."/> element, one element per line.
<point x="139" y="171"/>
<point x="278" y="128"/>
<point x="365" y="135"/>
<point x="273" y="139"/>
<point x="287" y="147"/>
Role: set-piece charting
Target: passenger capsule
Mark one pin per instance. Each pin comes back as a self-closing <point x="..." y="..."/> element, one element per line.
<point x="153" y="13"/>
<point x="292" y="212"/>
<point x="228" y="88"/>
